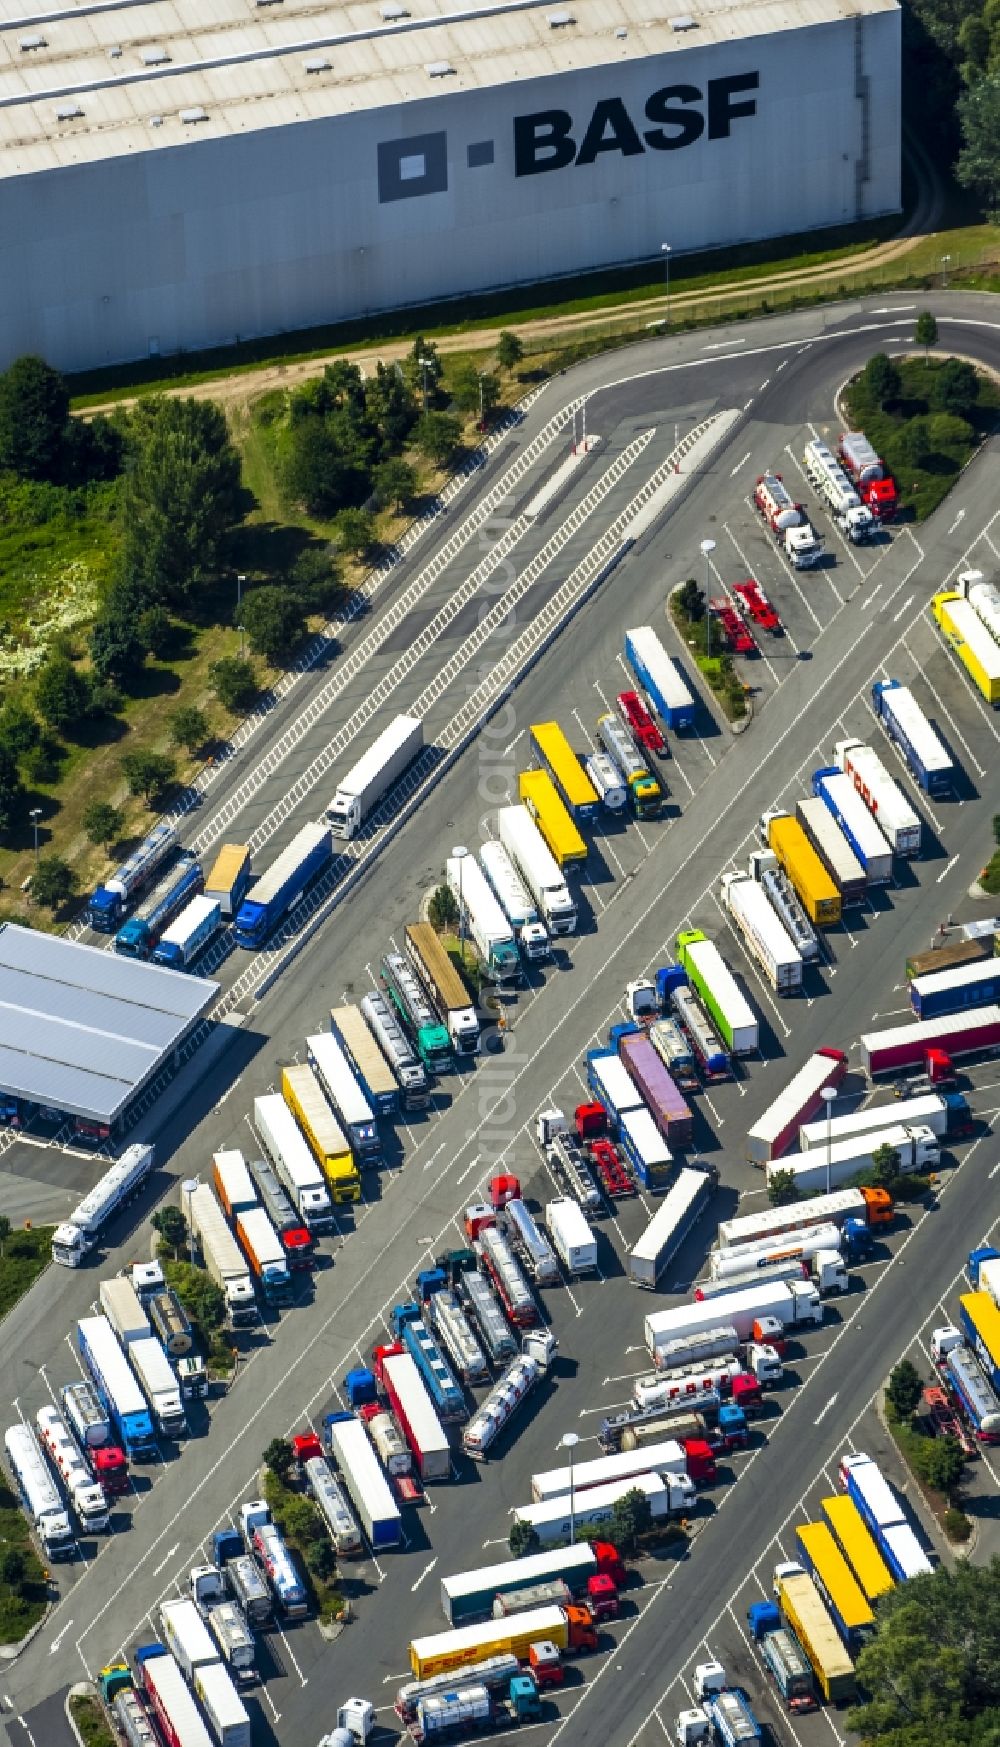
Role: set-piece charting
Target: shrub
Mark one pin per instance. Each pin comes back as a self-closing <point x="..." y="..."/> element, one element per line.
<point x="53" y="882"/>
<point x="957" y="1526"/>
<point x="147" y="773"/>
<point x="234" y="682"/>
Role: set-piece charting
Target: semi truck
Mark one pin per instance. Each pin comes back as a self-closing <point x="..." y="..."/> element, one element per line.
<point x="612" y="1085"/>
<point x="802" y="1606"/>
<point x="646" y="1150"/>
<point x="505" y="1399"/>
<point x="569" y="1629"/>
<point x="850" y="1612"/>
<point x="735" y="1259"/>
<point x="296" y="1241"/>
<point x="470" y="1595"/>
<point x="39" y="1494"/>
<point x="388" y="1034"/>
<point x="593" y="1510"/>
<point x="86" y="1496"/>
<point x="773" y="1132"/>
<point x="331" y="1070"/>
<point x="976" y="647"/>
<point x="354" y="1459"/>
<point x="825" y="474"/>
<point x="858" y="1546"/>
<point x="764" y="935"/>
<point x="863" y="1209"/>
<point x="976" y="1396"/>
<point x="644" y="791"/>
<point x="415" y="1412"/>
<point x="372" y="1071"/>
<point x="329" y="1499"/>
<point x="531" y="1243"/>
<point x="119" y="1392"/>
<point x="265" y="1253"/>
<point x="833" y="849"/>
<point x="119" y="1302"/>
<point x="159" y="1385"/>
<point x="765" y="868"/>
<point x="141" y="931"/>
<point x="406" y="992"/>
<point x="91" y="1423"/>
<point x="572" y="1238"/>
<point x="838" y="794"/>
<point x="303" y="1090"/>
<point x="221" y="1255"/>
<point x="189" y="934"/>
<point x="417" y="1340"/>
<point x="370" y="779"/>
<point x="983" y="597"/>
<point x="538" y="868"/>
<point x="661" y="1096"/>
<point x="899" y="823"/>
<point x="507" y="1275"/>
<point x="871" y="477"/>
<point x="909" y="730"/>
<point x="794" y="534"/>
<point x="484" y="920"/>
<point x="660" y="677"/>
<point x="455" y="1333"/>
<point x="793" y="1303"/>
<point x="270" y="1549"/>
<point x="955" y="990"/>
<point x="444" y="985"/>
<point x="681" y="1208"/>
<point x="555" y="755"/>
<point x="713" y="1061"/>
<point x="229" y="878"/>
<point x="942" y="1112"/>
<point x="272" y="895"/>
<point x="483" y="1306"/>
<point x="906" y="1046"/>
<point x="783" y="1657"/>
<point x="822" y="1169"/>
<point x="716" y="987"/>
<point x="297" y="1169"/>
<point x="516" y="902"/>
<point x="170" y="1698"/>
<point x="107" y="905"/>
<point x="666" y="1459"/>
<point x="119" y="1186"/>
<point x="817" y="891"/>
<point x="980" y="1322"/>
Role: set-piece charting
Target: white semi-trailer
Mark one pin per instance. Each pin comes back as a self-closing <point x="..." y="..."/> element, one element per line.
<point x="538" y="867"/>
<point x="120" y="1185"/>
<point x="359" y="792"/>
<point x="223" y="1257"/>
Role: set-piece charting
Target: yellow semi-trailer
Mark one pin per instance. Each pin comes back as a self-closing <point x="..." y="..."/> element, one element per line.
<point x="323" y="1134"/>
<point x="978" y="652"/>
<point x="802" y="1606"/>
<point x="569" y="1628"/>
<point x="816" y="889"/>
<point x="539" y="794"/>
<point x="556" y="755"/>
<point x="858" y="1547"/>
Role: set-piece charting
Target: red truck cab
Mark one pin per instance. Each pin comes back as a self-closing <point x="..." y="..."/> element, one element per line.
<point x="640" y="724"/>
<point x="609" y="1562"/>
<point x="476" y="1217"/>
<point x="110" y="1469"/>
<point x="305" y="1446"/>
<point x="545" y="1664"/>
<point x="602" y="1596"/>
<point x="746" y="1393"/>
<point x="700" y="1461"/>
<point x="591" y="1121"/>
<point x="379" y="1356"/>
<point x="503" y="1189"/>
<point x="299" y="1249"/>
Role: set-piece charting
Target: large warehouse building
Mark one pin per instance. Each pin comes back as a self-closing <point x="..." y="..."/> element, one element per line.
<point x="82" y="1031"/>
<point x="180" y="173"/>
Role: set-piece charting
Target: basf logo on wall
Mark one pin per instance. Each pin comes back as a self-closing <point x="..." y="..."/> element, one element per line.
<point x="553" y="139"/>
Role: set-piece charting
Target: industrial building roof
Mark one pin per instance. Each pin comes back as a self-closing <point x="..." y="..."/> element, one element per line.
<point x="102" y="78"/>
<point x="82" y="1029"/>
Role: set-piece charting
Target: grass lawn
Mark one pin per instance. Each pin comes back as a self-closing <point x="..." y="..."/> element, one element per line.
<point x="26" y="1254"/>
<point x="989" y="879"/>
<point x="923" y="487"/>
<point x="301" y="1524"/>
<point x="21" y="1605"/>
<point x="717" y="670"/>
<point x="91" y="1720"/>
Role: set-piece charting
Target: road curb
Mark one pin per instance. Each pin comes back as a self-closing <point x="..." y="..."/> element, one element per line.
<point x="10" y="1652"/>
<point x="80" y="1689"/>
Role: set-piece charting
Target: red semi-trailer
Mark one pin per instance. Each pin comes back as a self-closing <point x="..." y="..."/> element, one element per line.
<point x="774" y="1132"/>
<point x="907" y="1046"/>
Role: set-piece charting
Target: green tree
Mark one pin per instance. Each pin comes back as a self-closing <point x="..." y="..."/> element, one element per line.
<point x="19" y="728"/>
<point x="781" y="1189"/>
<point x="321" y="1558"/>
<point x="189" y="727"/>
<point x="355" y="532"/>
<point x="463" y="386"/>
<point x="5" y="1229"/>
<point x="316" y="472"/>
<point x="437" y="436"/>
<point x="692" y="600"/>
<point x="34" y="411"/>
<point x="179" y="496"/>
<point x="978" y="166"/>
<point x="423" y="353"/>
<point x="523" y="1539"/>
<point x="631" y="1518"/>
<point x="147" y="773"/>
<point x="885" y="1166"/>
<point x="53" y="882"/>
<point x="154" y="630"/>
<point x="509" y="350"/>
<point x="170" y="1224"/>
<point x="395" y="484"/>
<point x="955" y="388"/>
<point x="931" y="1674"/>
<point x="442" y="911"/>
<point x="234" y="682"/>
<point x="103" y="823"/>
<point x="274" y="621"/>
<point x="62" y="695"/>
<point x="40" y="764"/>
<point x="881" y="379"/>
<point x="940" y="1462"/>
<point x="489" y="386"/>
<point x="279" y="1458"/>
<point x="926" y="331"/>
<point x="203" y="1300"/>
<point x="116" y="648"/>
<point x="947" y="431"/>
<point x="13" y="1568"/>
<point x="314" y="578"/>
<point x="974" y="46"/>
<point x="11" y="790"/>
<point x="390" y="406"/>
<point x="904" y="1390"/>
<point x="911" y="445"/>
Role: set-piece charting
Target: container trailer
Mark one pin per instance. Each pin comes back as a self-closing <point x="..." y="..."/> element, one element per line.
<point x="966" y="634"/>
<point x="833" y="850"/>
<point x="954" y="991"/>
<point x="454" y="1331"/>
<point x="838" y="794"/>
<point x="979" y="1320"/>
<point x="907" y="727"/>
<point x="117" y="1387"/>
<point x="469" y="1595"/>
<point x="189" y="934"/>
<point x="844" y="1208"/>
<point x="229" y="878"/>
<point x="906" y="1046"/>
<point x="414" y="1409"/>
<point x="538" y="867"/>
<point x="187" y="1636"/>
<point x="858" y="1546"/>
<point x="234" y="1187"/>
<point x="295" y="1164"/>
<point x="370" y="779"/>
<point x="671" y="1495"/>
<point x="675" y="1053"/>
<point x="899" y="823"/>
<point x="556" y="756"/>
<point x="764" y="934"/>
<point x="391" y="1039"/>
<point x="660" y="677"/>
<point x="716" y="987"/>
<point x="612" y="1085"/>
<point x="272" y="895"/>
<point x="607" y="781"/>
<point x="773" y="1132"/>
<point x="681" y="1208"/>
<point x="792" y="1304"/>
<point x="518" y="906"/>
<point x="158" y="1382"/>
<point x="817" y="891"/>
<point x="221" y="1255"/>
<point x="823" y="1168"/>
<point x="657" y="1089"/>
<point x="572" y="1238"/>
<point x="494" y="1672"/>
<point x="109" y="902"/>
<point x="119" y="1186"/>
<point x="141" y="931"/>
<point x="484" y="920"/>
<point x="507" y="1276"/>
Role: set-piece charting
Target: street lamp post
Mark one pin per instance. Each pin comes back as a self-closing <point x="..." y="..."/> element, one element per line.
<point x="665" y="252"/>
<point x="240" y="580"/>
<point x="425" y="365"/>
<point x="945" y="263"/>
<point x="707" y="548"/>
<point x="35" y="815"/>
<point x="242" y="635"/>
<point x="188" y="1188"/>
<point x="828" y="1094"/>
<point x="459" y="854"/>
<point x="568" y="1442"/>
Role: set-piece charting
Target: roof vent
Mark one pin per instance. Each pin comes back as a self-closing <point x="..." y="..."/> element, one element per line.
<point x="190" y="116"/>
<point x="316" y="64"/>
<point x="114" y="52"/>
<point x="154" y="57"/>
<point x="392" y="9"/>
<point x="684" y="22"/>
<point x="267" y="2"/>
<point x="438" y="69"/>
<point x="156" y="121"/>
<point x="32" y="42"/>
<point x="557" y="20"/>
<point x="68" y="111"/>
<point x="621" y="32"/>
